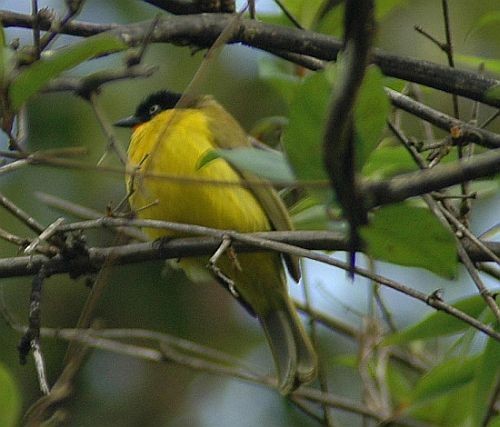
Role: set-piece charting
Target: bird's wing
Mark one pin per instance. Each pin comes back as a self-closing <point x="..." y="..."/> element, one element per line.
<point x="228" y="134"/>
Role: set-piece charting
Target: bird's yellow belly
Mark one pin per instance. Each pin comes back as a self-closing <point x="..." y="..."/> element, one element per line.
<point x="176" y="153"/>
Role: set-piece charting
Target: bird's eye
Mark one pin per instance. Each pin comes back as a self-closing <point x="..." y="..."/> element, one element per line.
<point x="154" y="109"/>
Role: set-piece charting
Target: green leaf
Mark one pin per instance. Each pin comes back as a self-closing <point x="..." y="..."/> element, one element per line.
<point x="369" y="121"/>
<point x="447" y="410"/>
<point x="270" y="165"/>
<point x="484" y="188"/>
<point x="487" y="377"/>
<point x="493" y="93"/>
<point x="303" y="138"/>
<point x="495" y="422"/>
<point x="347" y="361"/>
<point x="6" y="60"/>
<point x="490" y="64"/>
<point x="10" y="399"/>
<point x="304" y="11"/>
<point x="399" y="385"/>
<point x="313" y="218"/>
<point x="309" y="214"/>
<point x="440" y="323"/>
<point x="280" y="77"/>
<point x="488" y="19"/>
<point x="269" y="130"/>
<point x="3" y="59"/>
<point x="332" y="23"/>
<point x="209" y="156"/>
<point x="38" y="74"/>
<point x="445" y="378"/>
<point x="386" y="7"/>
<point x="387" y="161"/>
<point x="411" y="236"/>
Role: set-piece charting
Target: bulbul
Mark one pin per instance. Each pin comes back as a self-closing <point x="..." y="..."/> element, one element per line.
<point x="174" y="141"/>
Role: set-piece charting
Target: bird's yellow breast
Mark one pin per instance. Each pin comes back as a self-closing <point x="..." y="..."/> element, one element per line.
<point x="171" y="145"/>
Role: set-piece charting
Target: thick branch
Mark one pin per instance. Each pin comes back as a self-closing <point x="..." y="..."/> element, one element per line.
<point x="182" y="247"/>
<point x="173" y="249"/>
<point x="421" y="182"/>
<point x="202" y="30"/>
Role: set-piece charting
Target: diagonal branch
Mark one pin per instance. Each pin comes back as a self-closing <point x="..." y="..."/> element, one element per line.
<point x="413" y="184"/>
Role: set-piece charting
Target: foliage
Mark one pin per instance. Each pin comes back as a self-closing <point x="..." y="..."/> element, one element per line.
<point x="10" y="399"/>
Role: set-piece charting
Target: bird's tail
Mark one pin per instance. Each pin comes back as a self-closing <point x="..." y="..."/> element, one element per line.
<point x="292" y="350"/>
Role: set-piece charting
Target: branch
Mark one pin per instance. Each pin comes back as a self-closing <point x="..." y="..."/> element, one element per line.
<point x="88" y="84"/>
<point x="193" y="356"/>
<point x="413" y="184"/>
<point x="187" y="246"/>
<point x="469" y="133"/>
<point x="122" y="254"/>
<point x="203" y="30"/>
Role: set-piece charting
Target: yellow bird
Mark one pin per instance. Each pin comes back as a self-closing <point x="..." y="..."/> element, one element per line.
<point x="172" y="141"/>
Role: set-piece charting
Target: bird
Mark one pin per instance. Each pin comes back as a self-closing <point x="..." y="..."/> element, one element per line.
<point x="171" y="139"/>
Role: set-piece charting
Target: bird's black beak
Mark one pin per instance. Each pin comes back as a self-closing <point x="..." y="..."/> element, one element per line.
<point x="128" y="122"/>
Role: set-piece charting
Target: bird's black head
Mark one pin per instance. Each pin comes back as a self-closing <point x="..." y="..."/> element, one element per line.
<point x="150" y="107"/>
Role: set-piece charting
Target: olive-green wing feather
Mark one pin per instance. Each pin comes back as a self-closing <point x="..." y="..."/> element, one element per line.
<point x="229" y="134"/>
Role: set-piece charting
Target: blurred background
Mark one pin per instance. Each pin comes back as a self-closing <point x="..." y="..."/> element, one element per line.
<point x="115" y="390"/>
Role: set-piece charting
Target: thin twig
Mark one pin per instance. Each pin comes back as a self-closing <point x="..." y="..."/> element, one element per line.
<point x="483" y="290"/>
<point x="490" y="119"/>
<point x="22" y="242"/>
<point x="227" y="282"/>
<point x="31" y="339"/>
<point x="449" y="50"/>
<point x="137" y="58"/>
<point x="380" y="192"/>
<point x="492" y="410"/>
<point x="108" y="132"/>
<point x="13" y="166"/>
<point x="44" y="236"/>
<point x="36" y="28"/>
<point x="12" y="238"/>
<point x="22" y="129"/>
<point x="490" y="270"/>
<point x="418" y="95"/>
<point x="386" y="314"/>
<point x="84" y="86"/>
<point x="322" y="372"/>
<point x="459" y="226"/>
<point x="304" y="406"/>
<point x="408" y="145"/>
<point x="21" y="214"/>
<point x="40" y="367"/>
<point x="169" y="354"/>
<point x="84" y="212"/>
<point x="431" y="38"/>
<point x="289" y="15"/>
<point x="443" y="121"/>
<point x="58" y="28"/>
<point x="87" y="313"/>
